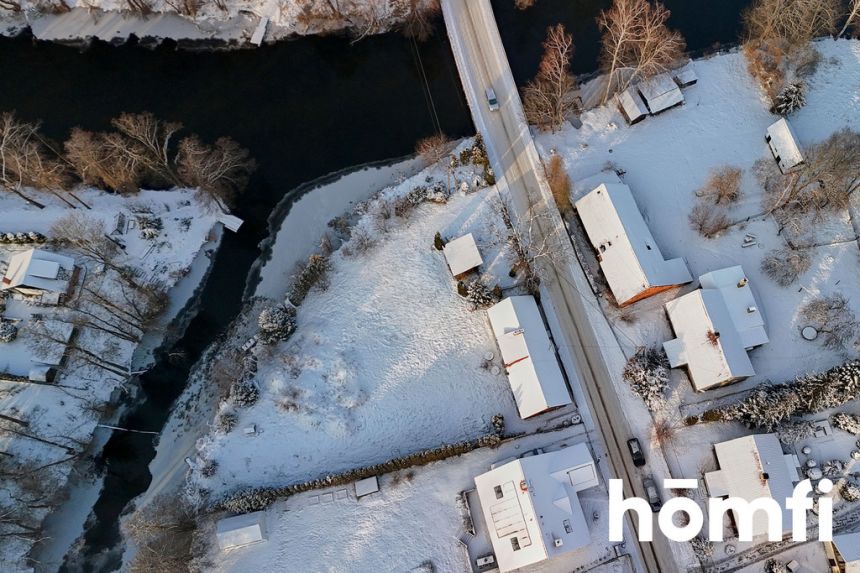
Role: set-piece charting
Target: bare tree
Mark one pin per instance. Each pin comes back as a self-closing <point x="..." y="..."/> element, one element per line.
<point x="708" y="220"/>
<point x="433" y="148"/>
<point x="185" y="7"/>
<point x="636" y="43"/>
<point x="88" y="237"/>
<point x="547" y="99"/>
<point x="853" y="14"/>
<point x="10" y="5"/>
<point x="46" y="337"/>
<point x="221" y="171"/>
<point x="25" y="161"/>
<point x="835" y="321"/>
<point x="162" y="530"/>
<point x="524" y="4"/>
<point x="417" y="17"/>
<point x="723" y="186"/>
<point x="106" y="160"/>
<point x="784" y="266"/>
<point x="152" y="136"/>
<point x="796" y="21"/>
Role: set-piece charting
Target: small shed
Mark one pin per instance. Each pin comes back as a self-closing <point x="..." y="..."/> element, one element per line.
<point x="37" y="272"/>
<point x="462" y="255"/>
<point x="660" y="93"/>
<point x="42" y="373"/>
<point x="782" y="140"/>
<point x="366" y="486"/>
<point x="230" y="222"/>
<point x="844" y="552"/>
<point x="686" y="75"/>
<point x="631" y="106"/>
<point x="241" y="530"/>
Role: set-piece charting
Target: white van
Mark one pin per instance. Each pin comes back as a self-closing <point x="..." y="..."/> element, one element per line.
<point x="491" y="99"/>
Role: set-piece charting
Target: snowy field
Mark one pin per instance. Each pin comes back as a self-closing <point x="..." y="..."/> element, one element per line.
<point x="67" y="411"/>
<point x="664" y="159"/>
<point x="414" y="520"/>
<point x="387" y="360"/>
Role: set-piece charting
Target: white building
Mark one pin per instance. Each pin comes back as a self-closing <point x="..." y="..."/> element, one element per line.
<point x="631" y="106"/>
<point x="628" y="255"/>
<point x="660" y="93"/>
<point x="462" y="255"/>
<point x="714" y="327"/>
<point x="531" y="507"/>
<point x="843" y="553"/>
<point x="755" y="467"/>
<point x="783" y="145"/>
<point x="39" y="273"/>
<point x="529" y="356"/>
<point x="241" y="530"/>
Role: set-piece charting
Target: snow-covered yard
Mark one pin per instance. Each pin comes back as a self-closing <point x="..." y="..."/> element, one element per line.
<point x="414" y="520"/>
<point x="387" y="360"/>
<point x="49" y="425"/>
<point x="664" y="160"/>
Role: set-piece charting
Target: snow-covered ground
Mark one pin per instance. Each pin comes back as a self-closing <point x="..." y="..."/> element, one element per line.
<point x="234" y="21"/>
<point x="67" y="411"/>
<point x="415" y="519"/>
<point x="664" y="160"/>
<point x="387" y="360"/>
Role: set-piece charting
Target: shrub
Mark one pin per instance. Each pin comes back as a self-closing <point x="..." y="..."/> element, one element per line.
<point x="774" y="566"/>
<point x="846" y="422"/>
<point x="209" y="469"/>
<point x="723" y="186"/>
<point x="765" y="62"/>
<point x="244" y="394"/>
<point x="850" y="491"/>
<point x="277" y="323"/>
<point x="312" y="274"/>
<point x="225" y="422"/>
<point x="480" y="295"/>
<point x="708" y="220"/>
<point x="432" y="149"/>
<point x="793" y="432"/>
<point x="784" y="266"/>
<point x="438" y="243"/>
<point x="559" y="183"/>
<point x="833" y="469"/>
<point x="647" y="372"/>
<point x="8" y="331"/>
<point x="833" y="318"/>
<point x="790" y="99"/>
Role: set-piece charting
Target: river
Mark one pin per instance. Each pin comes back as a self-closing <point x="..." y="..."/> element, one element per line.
<point x="304" y="108"/>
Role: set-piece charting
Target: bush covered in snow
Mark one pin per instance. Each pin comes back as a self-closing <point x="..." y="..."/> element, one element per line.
<point x="480" y="295"/>
<point x="846" y="422"/>
<point x="8" y="331"/>
<point x="244" y="393"/>
<point x="775" y="566"/>
<point x="768" y="406"/>
<point x="833" y="469"/>
<point x="849" y="490"/>
<point x="834" y="320"/>
<point x="795" y="431"/>
<point x="225" y="422"/>
<point x="277" y="323"/>
<point x="312" y="274"/>
<point x="647" y="372"/>
<point x="22" y="238"/>
<point x="784" y="266"/>
<point x="703" y="548"/>
<point x="790" y="99"/>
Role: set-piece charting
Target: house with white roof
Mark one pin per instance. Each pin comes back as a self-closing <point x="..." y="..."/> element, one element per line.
<point x="660" y="93"/>
<point x="783" y="144"/>
<point x="754" y="467"/>
<point x="241" y="530"/>
<point x="714" y="328"/>
<point x="629" y="256"/>
<point x="39" y="273"/>
<point x="529" y="356"/>
<point x="462" y="255"/>
<point x="631" y="106"/>
<point x="531" y="506"/>
<point x="843" y="553"/>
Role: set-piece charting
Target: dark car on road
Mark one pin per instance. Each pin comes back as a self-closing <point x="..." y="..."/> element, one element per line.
<point x="653" y="495"/>
<point x="636" y="452"/>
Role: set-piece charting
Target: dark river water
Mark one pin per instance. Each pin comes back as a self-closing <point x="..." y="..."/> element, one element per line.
<point x="304" y="108"/>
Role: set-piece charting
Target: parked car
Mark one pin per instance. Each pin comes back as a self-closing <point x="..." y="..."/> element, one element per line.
<point x="491" y="99"/>
<point x="636" y="452"/>
<point x="653" y="496"/>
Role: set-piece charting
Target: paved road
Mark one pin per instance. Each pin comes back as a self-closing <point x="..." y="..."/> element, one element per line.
<point x="482" y="62"/>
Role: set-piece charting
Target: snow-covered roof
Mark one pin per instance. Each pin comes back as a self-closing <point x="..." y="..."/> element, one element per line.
<point x="528" y="354"/>
<point x="366" y="486"/>
<point x="660" y="93"/>
<point x="706" y="340"/>
<point x="848" y="545"/>
<point x="582" y="187"/>
<point x="686" y="75"/>
<point x="37" y="269"/>
<point x="631" y="105"/>
<point x="754" y="467"/>
<point x="629" y="256"/>
<point x="49" y="352"/>
<point x="462" y="254"/>
<point x="531" y="507"/>
<point x="745" y="312"/>
<point x="241" y="530"/>
<point x="783" y="144"/>
<point x="230" y="222"/>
